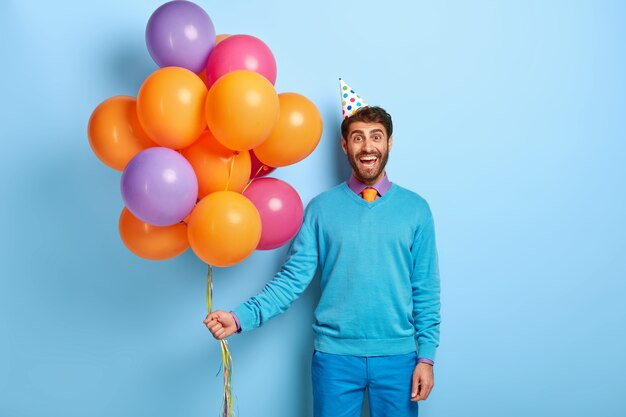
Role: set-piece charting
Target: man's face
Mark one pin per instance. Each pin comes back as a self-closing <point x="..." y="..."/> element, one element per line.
<point x="367" y="148"/>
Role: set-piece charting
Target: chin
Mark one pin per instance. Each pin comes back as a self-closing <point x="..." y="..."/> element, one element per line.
<point x="366" y="177"/>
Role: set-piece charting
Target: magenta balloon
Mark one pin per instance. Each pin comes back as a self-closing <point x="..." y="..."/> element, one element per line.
<point x="240" y="52"/>
<point x="181" y="34"/>
<point x="280" y="208"/>
<point x="258" y="168"/>
<point x="159" y="186"/>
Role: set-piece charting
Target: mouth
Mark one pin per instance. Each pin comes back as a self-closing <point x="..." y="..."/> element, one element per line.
<point x="368" y="161"/>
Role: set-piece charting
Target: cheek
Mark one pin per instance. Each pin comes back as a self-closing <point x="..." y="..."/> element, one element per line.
<point x="351" y="150"/>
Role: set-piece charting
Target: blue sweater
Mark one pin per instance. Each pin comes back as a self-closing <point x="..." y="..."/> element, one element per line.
<point x="379" y="275"/>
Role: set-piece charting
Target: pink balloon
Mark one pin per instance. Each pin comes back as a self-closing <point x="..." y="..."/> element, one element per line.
<point x="280" y="208"/>
<point x="240" y="52"/>
<point x="258" y="169"/>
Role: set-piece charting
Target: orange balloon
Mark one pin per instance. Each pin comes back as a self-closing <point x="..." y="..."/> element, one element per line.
<point x="170" y="106"/>
<point x="115" y="134"/>
<point x="152" y="242"/>
<point x="220" y="38"/>
<point x="295" y="135"/>
<point x="202" y="76"/>
<point x="224" y="228"/>
<point x="217" y="168"/>
<point x="241" y="109"/>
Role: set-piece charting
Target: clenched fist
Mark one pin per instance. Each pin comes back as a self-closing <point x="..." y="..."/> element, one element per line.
<point x="221" y="324"/>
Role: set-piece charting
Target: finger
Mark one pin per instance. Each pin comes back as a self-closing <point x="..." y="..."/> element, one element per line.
<point x="424" y="390"/>
<point x="215" y="327"/>
<point x="214" y="315"/>
<point x="418" y="394"/>
<point x="427" y="389"/>
<point x="414" y="387"/>
<point x="421" y="386"/>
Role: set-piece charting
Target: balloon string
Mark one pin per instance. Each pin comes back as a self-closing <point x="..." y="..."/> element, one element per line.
<point x="227" y="361"/>
<point x="230" y="171"/>
<point x="227" y="364"/>
<point x="209" y="289"/>
<point x="261" y="168"/>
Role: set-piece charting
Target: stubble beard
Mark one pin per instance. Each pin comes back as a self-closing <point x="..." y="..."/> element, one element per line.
<point x="361" y="173"/>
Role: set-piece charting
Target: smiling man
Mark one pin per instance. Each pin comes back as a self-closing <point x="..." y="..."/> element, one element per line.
<point x="377" y="321"/>
<point x="367" y="146"/>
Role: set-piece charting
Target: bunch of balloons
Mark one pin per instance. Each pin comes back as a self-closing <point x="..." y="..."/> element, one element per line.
<point x="197" y="140"/>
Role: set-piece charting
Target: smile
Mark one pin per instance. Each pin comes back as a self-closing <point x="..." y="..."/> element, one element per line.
<point x="368" y="160"/>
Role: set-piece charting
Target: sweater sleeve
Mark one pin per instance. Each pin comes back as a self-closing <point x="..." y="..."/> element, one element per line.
<point x="287" y="285"/>
<point x="426" y="289"/>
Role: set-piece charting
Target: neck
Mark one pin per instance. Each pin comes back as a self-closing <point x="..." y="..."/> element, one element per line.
<point x="372" y="181"/>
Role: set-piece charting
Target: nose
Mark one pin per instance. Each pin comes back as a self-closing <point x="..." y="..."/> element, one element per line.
<point x="368" y="145"/>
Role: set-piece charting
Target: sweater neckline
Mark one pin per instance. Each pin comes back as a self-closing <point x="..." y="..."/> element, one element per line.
<point x="365" y="203"/>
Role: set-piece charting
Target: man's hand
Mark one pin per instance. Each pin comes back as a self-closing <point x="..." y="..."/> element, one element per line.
<point x="423" y="381"/>
<point x="221" y="324"/>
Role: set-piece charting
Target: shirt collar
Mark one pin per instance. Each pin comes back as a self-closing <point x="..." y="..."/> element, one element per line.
<point x="357" y="187"/>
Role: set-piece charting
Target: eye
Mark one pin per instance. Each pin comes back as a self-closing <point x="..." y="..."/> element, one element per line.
<point x="377" y="137"/>
<point x="358" y="138"/>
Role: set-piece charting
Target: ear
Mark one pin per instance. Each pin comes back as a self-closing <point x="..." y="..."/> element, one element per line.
<point x="344" y="146"/>
<point x="390" y="142"/>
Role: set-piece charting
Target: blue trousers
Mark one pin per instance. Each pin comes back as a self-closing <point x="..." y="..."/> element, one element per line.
<point x="340" y="382"/>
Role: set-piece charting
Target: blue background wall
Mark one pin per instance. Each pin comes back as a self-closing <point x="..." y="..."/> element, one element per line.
<point x="510" y="120"/>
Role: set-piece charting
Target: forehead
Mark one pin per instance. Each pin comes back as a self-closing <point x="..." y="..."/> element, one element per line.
<point x="366" y="127"/>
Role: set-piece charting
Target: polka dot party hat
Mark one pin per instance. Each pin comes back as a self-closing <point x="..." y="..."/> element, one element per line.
<point x="350" y="101"/>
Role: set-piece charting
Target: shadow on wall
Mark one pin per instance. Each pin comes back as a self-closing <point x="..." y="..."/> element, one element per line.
<point x="342" y="167"/>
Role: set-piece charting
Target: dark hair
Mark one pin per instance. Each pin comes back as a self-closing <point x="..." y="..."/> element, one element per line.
<point x="368" y="115"/>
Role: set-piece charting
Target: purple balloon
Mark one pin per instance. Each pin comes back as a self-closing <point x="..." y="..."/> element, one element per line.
<point x="181" y="34"/>
<point x="159" y="186"/>
<point x="280" y="208"/>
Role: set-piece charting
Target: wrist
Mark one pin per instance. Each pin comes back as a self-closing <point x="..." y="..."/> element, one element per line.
<point x="426" y="361"/>
<point x="237" y="324"/>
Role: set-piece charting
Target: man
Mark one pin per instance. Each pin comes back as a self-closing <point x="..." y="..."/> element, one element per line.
<point x="374" y="244"/>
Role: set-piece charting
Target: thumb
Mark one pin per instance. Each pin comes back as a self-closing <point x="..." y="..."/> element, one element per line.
<point x="214" y="315"/>
<point x="415" y="385"/>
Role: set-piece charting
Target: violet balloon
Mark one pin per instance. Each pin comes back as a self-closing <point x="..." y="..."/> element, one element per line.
<point x="159" y="186"/>
<point x="280" y="208"/>
<point x="181" y="34"/>
<point x="241" y="52"/>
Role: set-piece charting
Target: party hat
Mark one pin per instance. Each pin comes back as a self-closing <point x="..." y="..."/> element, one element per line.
<point x="350" y="101"/>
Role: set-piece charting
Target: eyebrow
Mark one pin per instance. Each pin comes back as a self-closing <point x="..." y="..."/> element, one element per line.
<point x="361" y="132"/>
